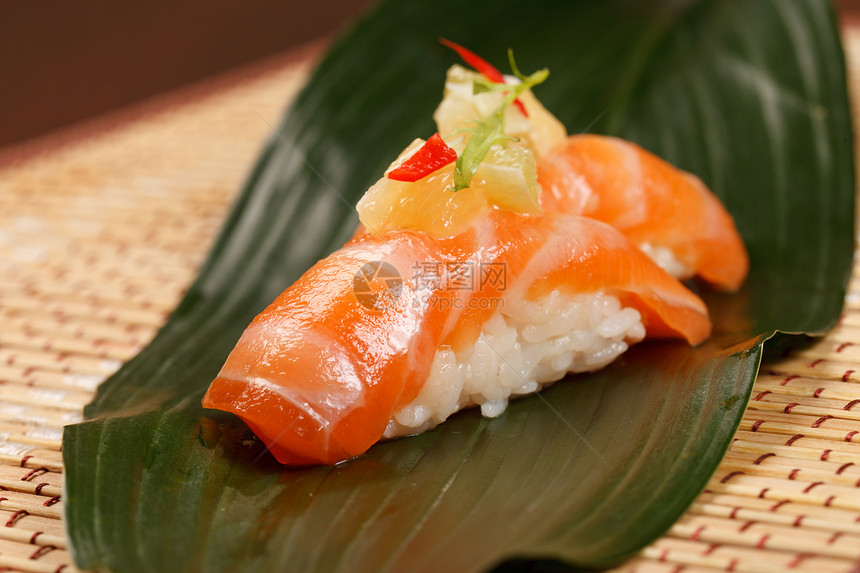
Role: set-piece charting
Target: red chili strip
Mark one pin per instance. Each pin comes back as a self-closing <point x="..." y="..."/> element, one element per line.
<point x="482" y="66"/>
<point x="433" y="155"/>
<point x="521" y="106"/>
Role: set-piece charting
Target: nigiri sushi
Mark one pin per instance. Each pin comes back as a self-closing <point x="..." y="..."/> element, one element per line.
<point x="665" y="211"/>
<point x="320" y="377"/>
<point x="668" y="213"/>
<point x="462" y="287"/>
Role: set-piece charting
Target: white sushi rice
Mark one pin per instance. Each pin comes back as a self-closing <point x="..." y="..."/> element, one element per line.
<point x="523" y="347"/>
<point x="667" y="260"/>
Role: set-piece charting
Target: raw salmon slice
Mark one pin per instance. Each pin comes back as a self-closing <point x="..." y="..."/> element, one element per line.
<point x="319" y="374"/>
<point x="667" y="212"/>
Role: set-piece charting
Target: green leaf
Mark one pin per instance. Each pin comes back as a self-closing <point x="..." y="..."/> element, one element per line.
<point x="748" y="94"/>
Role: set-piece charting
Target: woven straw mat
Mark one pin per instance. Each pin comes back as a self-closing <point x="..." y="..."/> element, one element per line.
<point x="102" y="227"/>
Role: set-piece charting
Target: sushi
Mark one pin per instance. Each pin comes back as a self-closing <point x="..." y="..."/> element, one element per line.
<point x="321" y="377"/>
<point x="666" y="212"/>
<point x="462" y="287"/>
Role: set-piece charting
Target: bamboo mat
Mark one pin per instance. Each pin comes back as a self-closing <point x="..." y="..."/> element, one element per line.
<point x="103" y="227"/>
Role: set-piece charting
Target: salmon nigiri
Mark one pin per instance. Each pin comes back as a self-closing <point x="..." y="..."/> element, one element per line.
<point x="461" y="288"/>
<point x="667" y="212"/>
<point x="322" y="374"/>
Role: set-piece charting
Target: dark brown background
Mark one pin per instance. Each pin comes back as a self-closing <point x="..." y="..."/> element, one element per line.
<point x="61" y="62"/>
<point x="64" y="61"/>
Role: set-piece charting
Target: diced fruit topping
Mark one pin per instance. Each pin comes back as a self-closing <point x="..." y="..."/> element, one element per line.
<point x="441" y="186"/>
<point x="507" y="179"/>
<point x="484" y="67"/>
<point x="462" y="105"/>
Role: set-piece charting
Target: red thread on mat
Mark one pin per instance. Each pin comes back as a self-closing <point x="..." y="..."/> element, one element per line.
<point x="42" y="551"/>
<point x="812" y="485"/>
<point x="797" y="560"/>
<point x="756" y="425"/>
<point x="843" y="346"/>
<point x="825" y="454"/>
<point x="844" y="467"/>
<point x="788" y="408"/>
<point x="762" y="395"/>
<point x="793" y="474"/>
<point x="763" y="493"/>
<point x="779" y="504"/>
<point x="794" y="438"/>
<point x="788" y="379"/>
<point x="33" y="473"/>
<point x="663" y="556"/>
<point x="732" y="564"/>
<point x="35" y="535"/>
<point x="711" y="548"/>
<point x="52" y="501"/>
<point x="679" y="569"/>
<point x="40" y="486"/>
<point x="734" y="513"/>
<point x="829" y="500"/>
<point x="761" y="542"/>
<point x="851" y="404"/>
<point x="798" y="520"/>
<point x="847" y="375"/>
<point x="817" y="393"/>
<point x="820" y="421"/>
<point x="747" y="525"/>
<point x="60" y="569"/>
<point x="697" y="533"/>
<point x="850" y="435"/>
<point x="816" y="362"/>
<point x="731" y="475"/>
<point x="24" y="460"/>
<point x="834" y="537"/>
<point x="16" y="517"/>
<point x="762" y="458"/>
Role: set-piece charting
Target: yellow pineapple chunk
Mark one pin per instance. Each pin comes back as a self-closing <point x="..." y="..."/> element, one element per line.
<point x="460" y="108"/>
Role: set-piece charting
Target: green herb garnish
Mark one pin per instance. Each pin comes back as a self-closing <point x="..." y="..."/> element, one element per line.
<point x="491" y="130"/>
